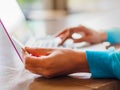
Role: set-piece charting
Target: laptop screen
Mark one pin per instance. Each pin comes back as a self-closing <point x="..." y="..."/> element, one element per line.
<point x="9" y="55"/>
<point x="3" y="29"/>
<point x="14" y="20"/>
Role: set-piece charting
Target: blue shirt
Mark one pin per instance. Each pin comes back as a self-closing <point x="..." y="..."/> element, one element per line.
<point x="106" y="64"/>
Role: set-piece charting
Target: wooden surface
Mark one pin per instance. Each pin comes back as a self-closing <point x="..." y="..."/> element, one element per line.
<point x="69" y="83"/>
<point x="13" y="76"/>
<point x="27" y="81"/>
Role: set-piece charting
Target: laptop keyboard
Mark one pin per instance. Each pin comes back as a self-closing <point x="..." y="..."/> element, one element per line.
<point x="52" y="42"/>
<point x="48" y="42"/>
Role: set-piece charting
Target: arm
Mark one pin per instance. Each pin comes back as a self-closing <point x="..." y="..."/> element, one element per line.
<point x="104" y="64"/>
<point x="58" y="62"/>
<point x="51" y="62"/>
<point x="90" y="36"/>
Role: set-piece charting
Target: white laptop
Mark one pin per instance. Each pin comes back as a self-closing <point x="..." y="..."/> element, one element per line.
<point x="14" y="21"/>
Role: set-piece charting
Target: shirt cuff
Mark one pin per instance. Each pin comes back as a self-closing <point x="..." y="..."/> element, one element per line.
<point x="100" y="64"/>
<point x="113" y="35"/>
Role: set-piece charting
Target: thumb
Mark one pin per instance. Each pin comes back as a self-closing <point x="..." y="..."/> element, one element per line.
<point x="37" y="51"/>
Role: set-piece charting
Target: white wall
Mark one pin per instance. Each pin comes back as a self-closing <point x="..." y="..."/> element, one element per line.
<point x="93" y="5"/>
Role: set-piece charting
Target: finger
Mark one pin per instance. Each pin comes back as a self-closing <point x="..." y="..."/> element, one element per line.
<point x="80" y="29"/>
<point x="38" y="51"/>
<point x="65" y="37"/>
<point x="86" y="39"/>
<point x="37" y="61"/>
<point x="33" y="61"/>
<point x="24" y="54"/>
<point x="61" y="32"/>
<point x="63" y="40"/>
<point x="24" y="51"/>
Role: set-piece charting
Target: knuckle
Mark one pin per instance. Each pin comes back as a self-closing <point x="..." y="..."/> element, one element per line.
<point x="27" y="58"/>
<point x="67" y="30"/>
<point x="82" y="27"/>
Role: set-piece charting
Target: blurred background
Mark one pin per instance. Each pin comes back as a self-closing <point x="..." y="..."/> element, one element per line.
<point x="66" y="13"/>
<point x="36" y="9"/>
<point x="68" y="6"/>
<point x="45" y="17"/>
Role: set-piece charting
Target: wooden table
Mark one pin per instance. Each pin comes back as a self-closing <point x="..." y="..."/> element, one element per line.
<point x="70" y="83"/>
<point x="24" y="80"/>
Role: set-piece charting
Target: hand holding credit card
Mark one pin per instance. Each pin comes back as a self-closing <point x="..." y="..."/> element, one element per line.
<point x="19" y="44"/>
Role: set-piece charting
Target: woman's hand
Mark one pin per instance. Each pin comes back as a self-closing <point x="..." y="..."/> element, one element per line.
<point x="87" y="34"/>
<point x="54" y="62"/>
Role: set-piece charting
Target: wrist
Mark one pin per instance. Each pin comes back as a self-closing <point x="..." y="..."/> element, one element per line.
<point x="103" y="36"/>
<point x="82" y="64"/>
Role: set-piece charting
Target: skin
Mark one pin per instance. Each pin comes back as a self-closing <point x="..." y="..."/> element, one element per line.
<point x="52" y="62"/>
<point x="88" y="35"/>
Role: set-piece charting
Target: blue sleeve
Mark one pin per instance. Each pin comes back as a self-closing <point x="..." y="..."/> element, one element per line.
<point x="104" y="64"/>
<point x="113" y="35"/>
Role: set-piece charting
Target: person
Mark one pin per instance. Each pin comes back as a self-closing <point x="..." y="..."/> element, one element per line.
<point x="52" y="62"/>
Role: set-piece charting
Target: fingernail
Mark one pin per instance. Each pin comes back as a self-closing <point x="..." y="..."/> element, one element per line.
<point x="23" y="49"/>
<point x="27" y="48"/>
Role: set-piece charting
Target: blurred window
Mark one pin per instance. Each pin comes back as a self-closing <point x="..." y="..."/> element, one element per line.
<point x="35" y="9"/>
<point x="92" y="5"/>
<point x="29" y="5"/>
